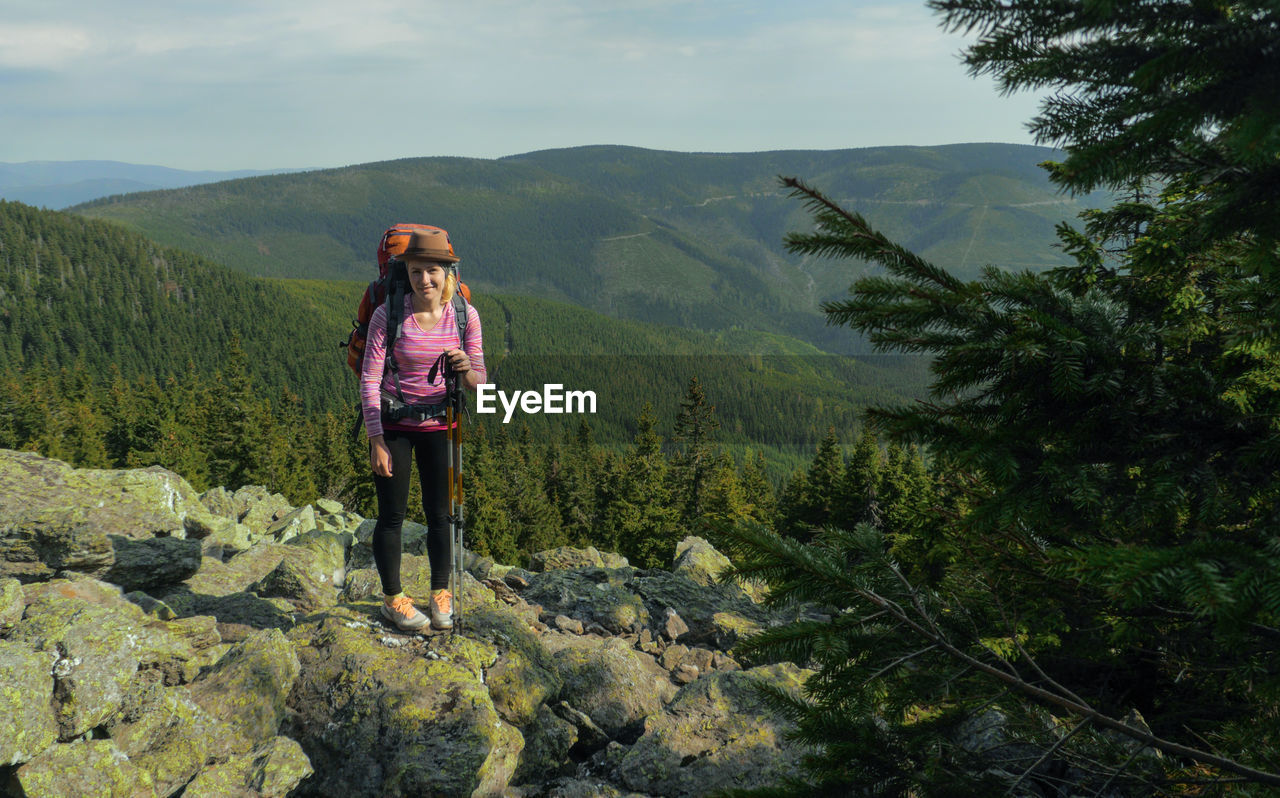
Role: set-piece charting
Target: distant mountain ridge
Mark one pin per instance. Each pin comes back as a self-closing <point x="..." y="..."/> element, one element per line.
<point x="59" y="184"/>
<point x="687" y="239"/>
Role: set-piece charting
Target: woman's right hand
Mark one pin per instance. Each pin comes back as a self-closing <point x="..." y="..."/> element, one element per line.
<point x="379" y="456"/>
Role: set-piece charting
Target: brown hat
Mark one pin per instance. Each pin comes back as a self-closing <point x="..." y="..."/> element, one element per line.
<point x="429" y="245"/>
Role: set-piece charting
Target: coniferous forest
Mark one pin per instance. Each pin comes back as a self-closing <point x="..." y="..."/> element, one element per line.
<point x="1048" y="519"/>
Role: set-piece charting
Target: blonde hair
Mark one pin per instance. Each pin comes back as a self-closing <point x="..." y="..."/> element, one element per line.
<point x="450" y="276"/>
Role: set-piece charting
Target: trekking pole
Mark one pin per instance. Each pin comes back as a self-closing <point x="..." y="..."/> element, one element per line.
<point x="453" y="421"/>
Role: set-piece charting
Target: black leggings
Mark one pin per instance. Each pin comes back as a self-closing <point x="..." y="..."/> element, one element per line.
<point x="432" y="453"/>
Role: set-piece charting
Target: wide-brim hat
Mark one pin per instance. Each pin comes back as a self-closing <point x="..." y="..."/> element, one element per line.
<point x="429" y="245"/>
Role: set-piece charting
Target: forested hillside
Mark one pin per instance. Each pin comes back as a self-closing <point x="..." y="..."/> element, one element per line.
<point x="686" y="239"/>
<point x="99" y="300"/>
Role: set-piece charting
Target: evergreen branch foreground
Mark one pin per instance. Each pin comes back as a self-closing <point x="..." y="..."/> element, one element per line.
<point x="884" y="613"/>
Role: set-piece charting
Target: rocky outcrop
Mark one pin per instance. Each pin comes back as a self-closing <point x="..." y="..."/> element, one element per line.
<point x="230" y="644"/>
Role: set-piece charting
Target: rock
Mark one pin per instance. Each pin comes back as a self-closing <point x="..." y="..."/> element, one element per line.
<point x="699" y="561"/>
<point x="92" y="767"/>
<point x="518" y="578"/>
<point x="328" y="506"/>
<point x="502" y="591"/>
<point x="712" y="613"/>
<point x="55" y="518"/>
<point x="716" y="734"/>
<point x="480" y="567"/>
<point x="685" y="673"/>
<point x="581" y="788"/>
<point x="594" y="595"/>
<point x="27" y="727"/>
<point x="302" y="577"/>
<point x="547" y="742"/>
<point x="566" y="624"/>
<point x="565" y="557"/>
<point x="226" y="540"/>
<point x="152" y="606"/>
<point x="331" y="548"/>
<point x="94" y="652"/>
<point x="167" y="736"/>
<point x="700" y="658"/>
<point x="219" y="502"/>
<point x="271" y="770"/>
<point x="292" y="524"/>
<point x="152" y="563"/>
<point x="673" y="655"/>
<point x="11" y="604"/>
<point x="376" y="721"/>
<point x="247" y="688"/>
<point x="614" y="684"/>
<point x="262" y="509"/>
<point x="590" y="737"/>
<point x="672" y="625"/>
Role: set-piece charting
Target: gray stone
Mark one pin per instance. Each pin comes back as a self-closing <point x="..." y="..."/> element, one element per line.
<point x="272" y="770"/>
<point x="292" y="524"/>
<point x="566" y="624"/>
<point x="718" y="733"/>
<point x="328" y="506"/>
<point x="11" y="604"/>
<point x="27" y="727"/>
<point x="152" y="563"/>
<point x="565" y="557"/>
<point x="672" y="625"/>
<point x="92" y="767"/>
<point x="685" y="673"/>
<point x="332" y="549"/>
<point x="302" y="577"/>
<point x="699" y="560"/>
<point x="593" y="595"/>
<point x="377" y="720"/>
<point x="247" y="688"/>
<point x="613" y="683"/>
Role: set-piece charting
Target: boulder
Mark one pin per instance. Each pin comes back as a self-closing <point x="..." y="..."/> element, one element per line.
<point x="272" y="770"/>
<point x="292" y="524"/>
<point x="591" y="595"/>
<point x="11" y="604"/>
<point x="547" y="741"/>
<point x="302" y="577"/>
<point x="89" y="767"/>
<point x="612" y="683"/>
<point x="27" y="727"/>
<point x="378" y="719"/>
<point x="332" y="549"/>
<point x="718" y="733"/>
<point x="167" y="736"/>
<point x="699" y="560"/>
<point x="716" y="615"/>
<point x="565" y="557"/>
<point x="94" y="652"/>
<point x="262" y="509"/>
<point x="55" y="518"/>
<point x="246" y="689"/>
<point x="152" y="563"/>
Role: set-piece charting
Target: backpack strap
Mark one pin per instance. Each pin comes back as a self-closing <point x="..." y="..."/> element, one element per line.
<point x="395" y="322"/>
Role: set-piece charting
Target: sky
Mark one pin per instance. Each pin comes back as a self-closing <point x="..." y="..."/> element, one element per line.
<point x="276" y="84"/>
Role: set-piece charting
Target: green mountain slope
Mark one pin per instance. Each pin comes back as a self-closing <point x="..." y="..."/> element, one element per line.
<point x="685" y="239"/>
<point x="77" y="290"/>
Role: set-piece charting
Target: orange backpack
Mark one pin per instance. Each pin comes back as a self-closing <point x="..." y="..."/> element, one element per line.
<point x="393" y="243"/>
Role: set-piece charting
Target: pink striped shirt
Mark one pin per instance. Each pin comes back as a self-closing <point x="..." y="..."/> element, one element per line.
<point x="416" y="350"/>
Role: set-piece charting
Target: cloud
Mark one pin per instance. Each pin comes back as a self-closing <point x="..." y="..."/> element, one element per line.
<point x="41" y="46"/>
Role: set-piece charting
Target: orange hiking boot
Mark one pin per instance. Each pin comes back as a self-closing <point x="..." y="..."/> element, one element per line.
<point x="400" y="611"/>
<point x="441" y="609"/>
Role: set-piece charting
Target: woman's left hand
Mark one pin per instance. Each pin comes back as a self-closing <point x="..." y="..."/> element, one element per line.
<point x="459" y="360"/>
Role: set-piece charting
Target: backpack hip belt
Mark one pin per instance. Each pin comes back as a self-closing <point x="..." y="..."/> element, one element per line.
<point x="395" y="410"/>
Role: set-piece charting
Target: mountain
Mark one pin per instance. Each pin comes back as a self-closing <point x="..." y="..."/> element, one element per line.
<point x="83" y="292"/>
<point x="58" y="184"/>
<point x="686" y="239"/>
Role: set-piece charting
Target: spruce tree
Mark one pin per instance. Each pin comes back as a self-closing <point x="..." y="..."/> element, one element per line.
<point x="695" y="452"/>
<point x="1109" y="424"/>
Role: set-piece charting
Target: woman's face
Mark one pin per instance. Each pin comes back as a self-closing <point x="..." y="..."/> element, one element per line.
<point x="427" y="278"/>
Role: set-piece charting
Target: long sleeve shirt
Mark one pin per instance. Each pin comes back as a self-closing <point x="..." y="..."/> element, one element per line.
<point x="416" y="350"/>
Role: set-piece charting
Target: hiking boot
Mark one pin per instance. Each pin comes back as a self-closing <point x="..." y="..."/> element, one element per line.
<point x="441" y="609"/>
<point x="403" y="614"/>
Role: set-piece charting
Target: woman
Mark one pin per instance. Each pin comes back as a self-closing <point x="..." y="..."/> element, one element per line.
<point x="430" y="329"/>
